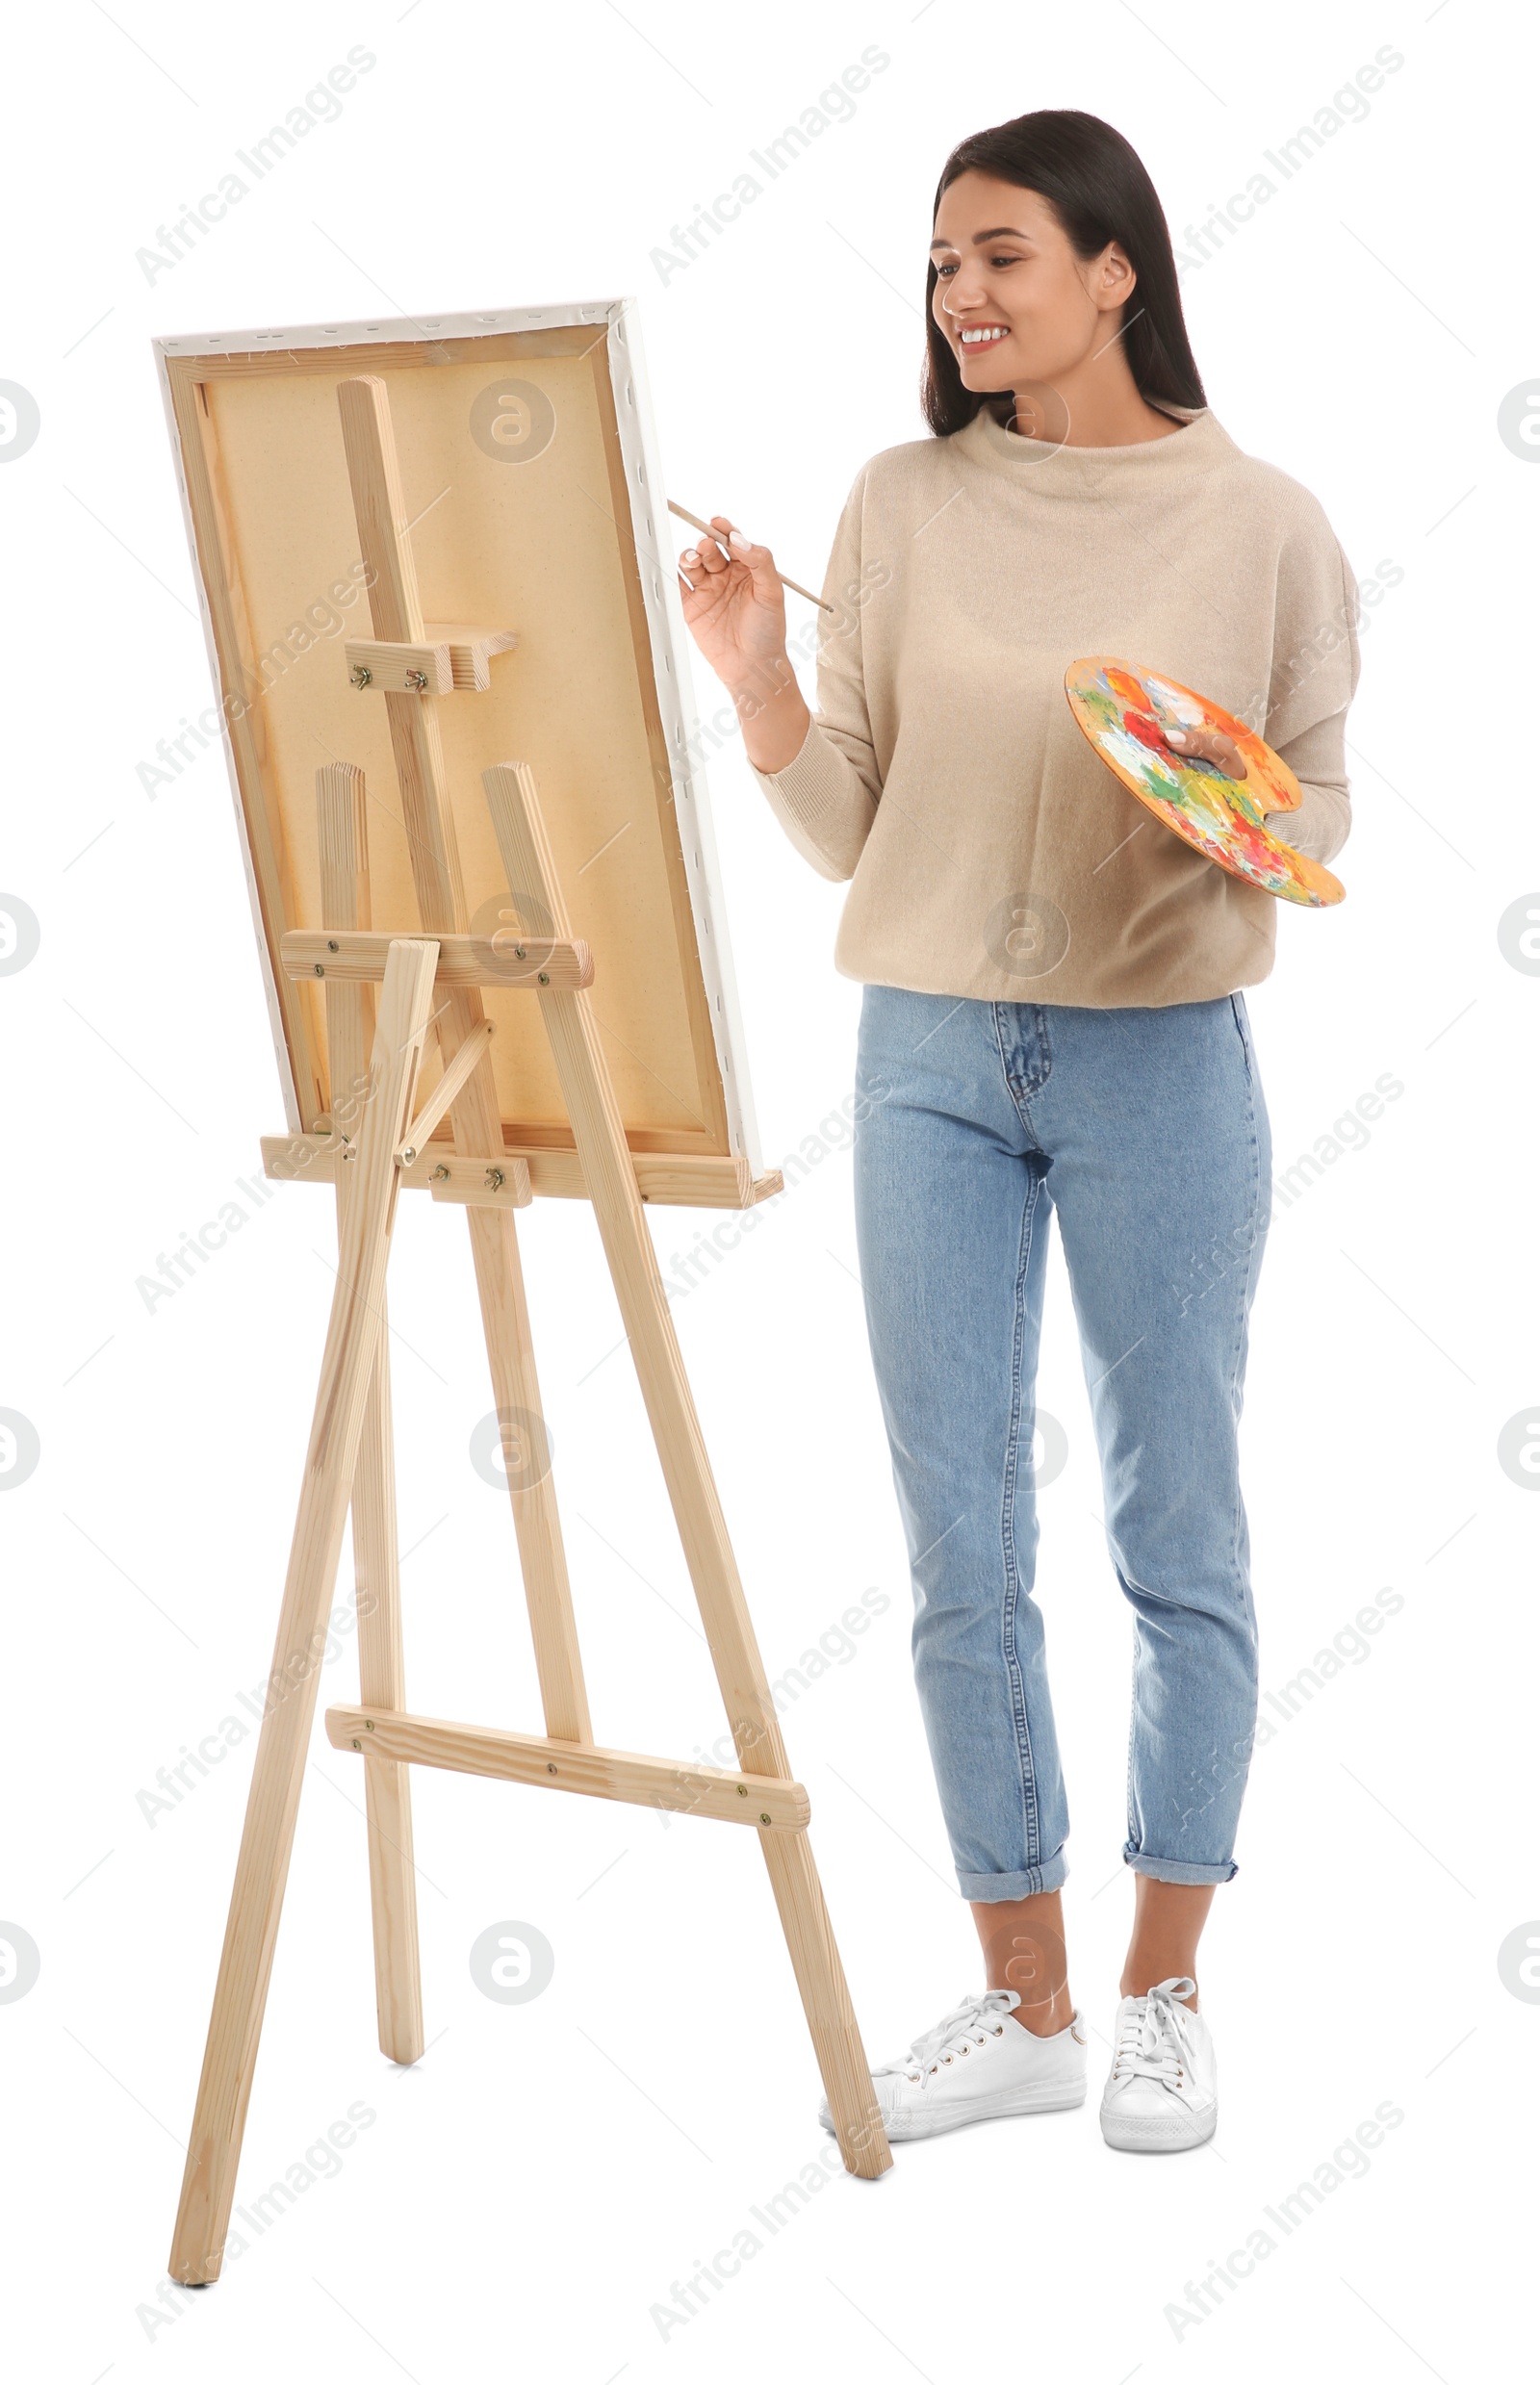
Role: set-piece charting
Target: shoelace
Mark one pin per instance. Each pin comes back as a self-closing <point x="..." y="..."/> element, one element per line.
<point x="1152" y="2040"/>
<point x="968" y="2024"/>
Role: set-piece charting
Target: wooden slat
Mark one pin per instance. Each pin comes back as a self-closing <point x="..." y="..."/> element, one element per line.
<point x="343" y="846"/>
<point x="247" y="364"/>
<point x="241" y="688"/>
<point x="455" y="1071"/>
<point x="831" y="2016"/>
<point x="455" y="657"/>
<point x="379" y="507"/>
<point x="245" y="1964"/>
<point x="471" y="651"/>
<point x="611" y="1178"/>
<point x="397" y="669"/>
<point x="318" y="1159"/>
<point x="341" y="821"/>
<point x="374" y="476"/>
<point x="464" y="960"/>
<point x="682" y="1183"/>
<point x="556" y="1763"/>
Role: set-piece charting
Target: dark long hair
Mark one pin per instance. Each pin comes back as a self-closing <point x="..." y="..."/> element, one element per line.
<point x="1097" y="186"/>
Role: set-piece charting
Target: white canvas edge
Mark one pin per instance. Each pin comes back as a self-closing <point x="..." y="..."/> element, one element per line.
<point x="667" y="638"/>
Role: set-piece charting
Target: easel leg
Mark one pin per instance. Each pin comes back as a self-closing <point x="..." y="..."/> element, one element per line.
<point x="611" y="1179"/>
<point x="382" y="1683"/>
<point x="342" y="841"/>
<point x="262" y="1868"/>
<point x="537" y="1524"/>
<point x="826" y="2001"/>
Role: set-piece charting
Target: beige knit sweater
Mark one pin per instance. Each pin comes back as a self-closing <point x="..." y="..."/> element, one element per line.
<point x="990" y="852"/>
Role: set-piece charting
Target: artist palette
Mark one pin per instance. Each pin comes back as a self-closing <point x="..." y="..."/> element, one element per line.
<point x="1125" y="711"/>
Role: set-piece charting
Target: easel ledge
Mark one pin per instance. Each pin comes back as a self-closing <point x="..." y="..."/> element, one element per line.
<point x="682" y="1181"/>
<point x="509" y="1178"/>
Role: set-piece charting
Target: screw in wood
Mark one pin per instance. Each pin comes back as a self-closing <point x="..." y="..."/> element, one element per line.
<point x="742" y="1791"/>
<point x="330" y="945"/>
<point x="494" y="1179"/>
<point x="440" y="1174"/>
<point x="544" y="978"/>
<point x="358" y="1743"/>
<point x="551" y="1767"/>
<point x="407" y="1157"/>
<point x="417" y="681"/>
<point x="320" y="969"/>
<point x="765" y="1818"/>
<point x="361" y="674"/>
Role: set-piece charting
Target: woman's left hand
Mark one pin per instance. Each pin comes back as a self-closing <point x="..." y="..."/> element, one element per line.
<point x="1207" y="745"/>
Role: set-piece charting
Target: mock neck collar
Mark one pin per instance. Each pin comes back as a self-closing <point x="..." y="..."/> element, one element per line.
<point x="1031" y="465"/>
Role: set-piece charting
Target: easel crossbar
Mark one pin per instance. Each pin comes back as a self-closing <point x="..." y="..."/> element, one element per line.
<point x="752" y="1798"/>
<point x="682" y="1178"/>
<point x="357" y="956"/>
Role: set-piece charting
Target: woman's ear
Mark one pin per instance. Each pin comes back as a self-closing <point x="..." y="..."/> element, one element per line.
<point x="1116" y="279"/>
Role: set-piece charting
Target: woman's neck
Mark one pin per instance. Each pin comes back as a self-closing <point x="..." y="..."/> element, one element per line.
<point x="1090" y="407"/>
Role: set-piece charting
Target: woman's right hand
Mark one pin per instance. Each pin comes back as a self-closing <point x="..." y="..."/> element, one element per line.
<point x="735" y="609"/>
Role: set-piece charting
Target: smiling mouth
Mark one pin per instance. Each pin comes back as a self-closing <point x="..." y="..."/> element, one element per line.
<point x="985" y="336"/>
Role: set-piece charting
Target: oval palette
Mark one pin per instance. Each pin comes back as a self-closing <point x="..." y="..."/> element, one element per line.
<point x="1125" y="711"/>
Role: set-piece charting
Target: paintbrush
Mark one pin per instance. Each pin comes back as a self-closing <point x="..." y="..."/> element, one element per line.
<point x="695" y="524"/>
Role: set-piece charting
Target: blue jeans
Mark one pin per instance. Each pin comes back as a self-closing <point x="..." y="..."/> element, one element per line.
<point x="1146" y="1132"/>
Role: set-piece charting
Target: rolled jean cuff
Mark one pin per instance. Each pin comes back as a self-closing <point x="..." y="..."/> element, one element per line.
<point x="1182" y="1875"/>
<point x="1009" y="1887"/>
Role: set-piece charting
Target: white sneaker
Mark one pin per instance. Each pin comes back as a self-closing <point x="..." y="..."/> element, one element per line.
<point x="1162" y="2095"/>
<point x="978" y="2064"/>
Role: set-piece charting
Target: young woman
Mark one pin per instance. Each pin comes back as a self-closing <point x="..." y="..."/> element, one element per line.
<point x="1053" y="1025"/>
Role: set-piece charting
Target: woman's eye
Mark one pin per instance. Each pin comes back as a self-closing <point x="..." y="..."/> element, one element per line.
<point x="945" y="272"/>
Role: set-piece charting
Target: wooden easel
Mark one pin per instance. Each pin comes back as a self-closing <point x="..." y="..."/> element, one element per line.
<point x="425" y="981"/>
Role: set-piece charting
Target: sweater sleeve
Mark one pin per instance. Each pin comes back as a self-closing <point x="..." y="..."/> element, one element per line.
<point x="825" y="798"/>
<point x="1316" y="667"/>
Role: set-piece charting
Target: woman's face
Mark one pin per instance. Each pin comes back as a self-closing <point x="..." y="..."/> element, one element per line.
<point x="1018" y="308"/>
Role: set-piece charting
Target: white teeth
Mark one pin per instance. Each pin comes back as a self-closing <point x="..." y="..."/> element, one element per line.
<point x="980" y="339"/>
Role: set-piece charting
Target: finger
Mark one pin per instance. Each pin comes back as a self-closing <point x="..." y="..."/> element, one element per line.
<point x="721" y="532"/>
<point x="1210" y="745"/>
<point x="1225" y="754"/>
<point x="695" y="571"/>
<point x="710" y="557"/>
<point x="739" y="547"/>
<point x="760" y="563"/>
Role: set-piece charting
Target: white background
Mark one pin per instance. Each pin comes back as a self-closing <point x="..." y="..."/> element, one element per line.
<point x="523" y="2198"/>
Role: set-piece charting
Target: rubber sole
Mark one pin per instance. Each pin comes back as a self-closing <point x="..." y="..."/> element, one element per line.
<point x="903" y="2130"/>
<point x="1174" y="2142"/>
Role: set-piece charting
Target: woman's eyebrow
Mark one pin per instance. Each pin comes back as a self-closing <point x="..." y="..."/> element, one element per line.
<point x="1001" y="231"/>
